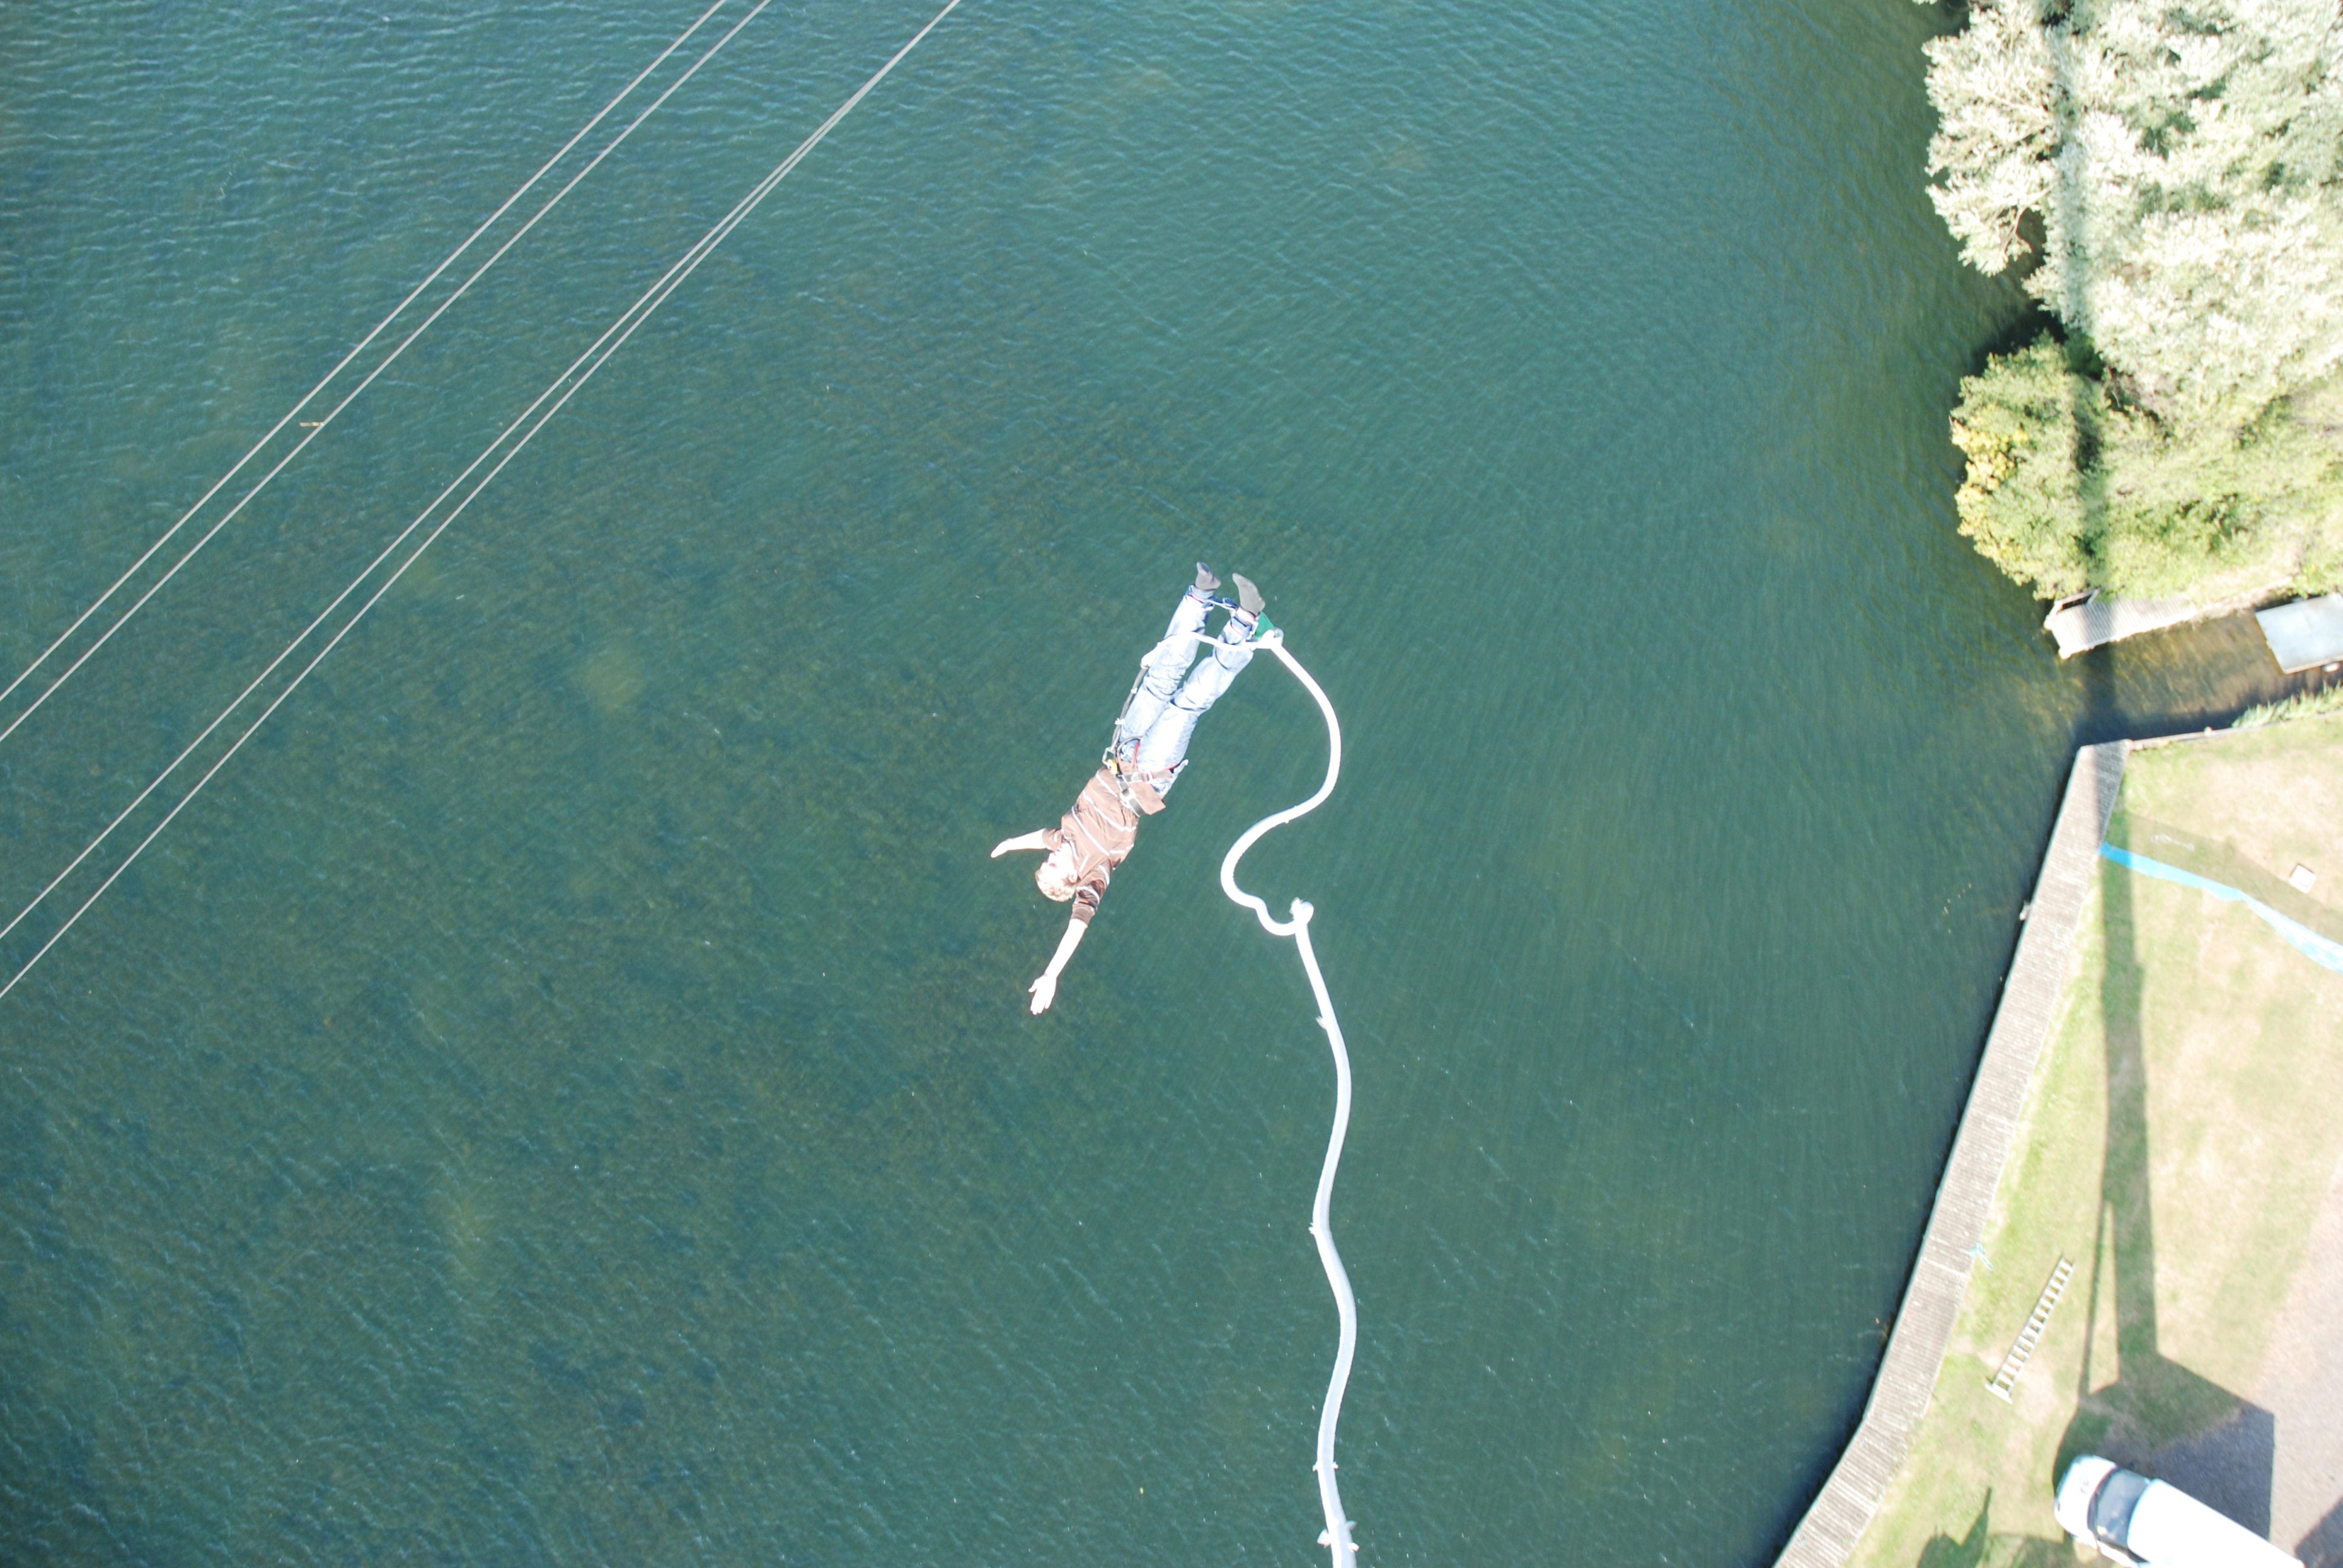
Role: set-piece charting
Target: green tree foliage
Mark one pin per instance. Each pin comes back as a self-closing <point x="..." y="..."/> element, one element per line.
<point x="2018" y="426"/>
<point x="2182" y="167"/>
<point x="2068" y="489"/>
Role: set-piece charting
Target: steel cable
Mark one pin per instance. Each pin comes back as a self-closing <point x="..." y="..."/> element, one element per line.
<point x="319" y="428"/>
<point x="579" y="371"/>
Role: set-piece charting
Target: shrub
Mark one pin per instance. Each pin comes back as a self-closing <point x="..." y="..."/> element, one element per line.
<point x="2301" y="705"/>
<point x="2022" y="503"/>
<point x="2069" y="488"/>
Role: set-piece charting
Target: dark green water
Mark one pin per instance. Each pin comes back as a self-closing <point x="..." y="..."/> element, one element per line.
<point x="563" y="1096"/>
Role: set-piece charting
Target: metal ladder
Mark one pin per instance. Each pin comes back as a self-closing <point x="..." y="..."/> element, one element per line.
<point x="2006" y="1380"/>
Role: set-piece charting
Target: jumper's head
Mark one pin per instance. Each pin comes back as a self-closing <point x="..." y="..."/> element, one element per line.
<point x="1055" y="875"/>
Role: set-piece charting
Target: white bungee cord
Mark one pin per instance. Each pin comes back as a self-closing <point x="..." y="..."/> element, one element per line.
<point x="566" y="385"/>
<point x="313" y="429"/>
<point x="1336" y="1537"/>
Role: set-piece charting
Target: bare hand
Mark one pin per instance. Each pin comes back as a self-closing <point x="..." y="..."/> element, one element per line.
<point x="1045" y="991"/>
<point x="1035" y="840"/>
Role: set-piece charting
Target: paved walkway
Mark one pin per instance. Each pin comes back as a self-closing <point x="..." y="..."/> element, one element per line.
<point x="1932" y="1301"/>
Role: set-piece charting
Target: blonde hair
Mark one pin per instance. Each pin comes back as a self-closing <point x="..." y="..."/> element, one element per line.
<point x="1055" y="875"/>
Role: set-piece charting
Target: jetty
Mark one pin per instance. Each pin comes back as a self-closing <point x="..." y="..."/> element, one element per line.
<point x="2087" y="620"/>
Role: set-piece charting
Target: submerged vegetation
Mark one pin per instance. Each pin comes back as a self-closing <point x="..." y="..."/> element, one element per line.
<point x="2171" y="179"/>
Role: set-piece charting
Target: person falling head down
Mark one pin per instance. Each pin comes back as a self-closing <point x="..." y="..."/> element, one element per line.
<point x="1151" y="748"/>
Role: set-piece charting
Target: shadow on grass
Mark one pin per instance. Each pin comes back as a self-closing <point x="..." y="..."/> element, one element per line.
<point x="2157" y="1417"/>
<point x="2323" y="1547"/>
<point x="1944" y="1552"/>
<point x="1972" y="1549"/>
<point x="2223" y="861"/>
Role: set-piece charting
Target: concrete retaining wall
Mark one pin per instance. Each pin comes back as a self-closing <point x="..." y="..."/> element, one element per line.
<point x="1932" y="1301"/>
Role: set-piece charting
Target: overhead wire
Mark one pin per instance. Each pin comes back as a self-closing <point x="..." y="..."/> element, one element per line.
<point x="379" y="327"/>
<point x="1337" y="1536"/>
<point x="575" y="375"/>
<point x="314" y="429"/>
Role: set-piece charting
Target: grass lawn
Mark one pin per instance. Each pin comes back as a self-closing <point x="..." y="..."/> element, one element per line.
<point x="2179" y="1139"/>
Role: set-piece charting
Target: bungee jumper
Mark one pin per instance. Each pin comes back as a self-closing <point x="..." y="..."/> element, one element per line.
<point x="1145" y="758"/>
<point x="1148" y="749"/>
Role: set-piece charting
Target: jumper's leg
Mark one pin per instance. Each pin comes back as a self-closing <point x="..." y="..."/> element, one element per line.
<point x="1164" y="671"/>
<point x="1164" y="743"/>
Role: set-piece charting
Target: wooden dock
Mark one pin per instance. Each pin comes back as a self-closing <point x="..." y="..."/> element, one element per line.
<point x="1827" y="1536"/>
<point x="2079" y="624"/>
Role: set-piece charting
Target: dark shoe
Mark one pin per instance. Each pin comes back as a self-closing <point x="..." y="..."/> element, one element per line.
<point x="1249" y="598"/>
<point x="1206" y="581"/>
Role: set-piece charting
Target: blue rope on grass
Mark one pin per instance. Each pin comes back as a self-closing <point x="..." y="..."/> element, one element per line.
<point x="2319" y="949"/>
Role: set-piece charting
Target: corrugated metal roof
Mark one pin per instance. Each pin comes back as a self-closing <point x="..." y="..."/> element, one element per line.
<point x="2305" y="634"/>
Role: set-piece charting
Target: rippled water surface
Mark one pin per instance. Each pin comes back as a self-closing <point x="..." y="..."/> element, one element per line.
<point x="562" y="1094"/>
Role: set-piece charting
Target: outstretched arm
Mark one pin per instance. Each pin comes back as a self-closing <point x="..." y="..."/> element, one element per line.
<point x="1036" y="839"/>
<point x="1045" y="989"/>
